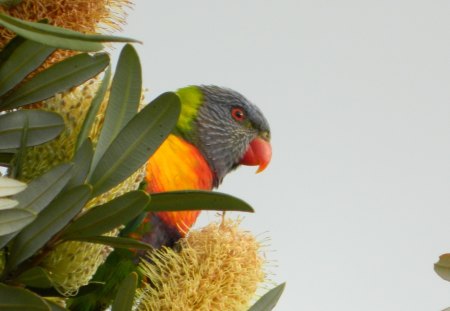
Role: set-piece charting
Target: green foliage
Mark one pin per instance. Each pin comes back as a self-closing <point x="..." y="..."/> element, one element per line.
<point x="269" y="300"/>
<point x="197" y="200"/>
<point x="125" y="296"/>
<point x="51" y="210"/>
<point x="58" y="37"/>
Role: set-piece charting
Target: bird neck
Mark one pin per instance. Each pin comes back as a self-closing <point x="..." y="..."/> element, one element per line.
<point x="178" y="165"/>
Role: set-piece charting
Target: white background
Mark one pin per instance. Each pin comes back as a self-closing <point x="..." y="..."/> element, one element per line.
<point x="356" y="199"/>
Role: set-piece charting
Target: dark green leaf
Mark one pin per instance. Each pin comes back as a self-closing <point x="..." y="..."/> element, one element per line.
<point x="93" y="109"/>
<point x="58" y="37"/>
<point x="42" y="127"/>
<point x="115" y="242"/>
<point x="196" y="200"/>
<point x="14" y="219"/>
<point x="269" y="300"/>
<point x="26" y="58"/>
<point x="125" y="296"/>
<point x="10" y="3"/>
<point x="16" y="169"/>
<point x="442" y="267"/>
<point x="51" y="220"/>
<point x="15" y="299"/>
<point x="123" y="101"/>
<point x="40" y="192"/>
<point x="82" y="163"/>
<point x="106" y="217"/>
<point x="136" y="142"/>
<point x="35" y="277"/>
<point x="9" y="49"/>
<point x="60" y="77"/>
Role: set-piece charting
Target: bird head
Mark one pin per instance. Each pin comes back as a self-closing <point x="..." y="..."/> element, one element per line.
<point x="226" y="127"/>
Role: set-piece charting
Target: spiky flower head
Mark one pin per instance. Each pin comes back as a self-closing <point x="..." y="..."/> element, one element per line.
<point x="72" y="264"/>
<point x="219" y="267"/>
<point x="86" y="16"/>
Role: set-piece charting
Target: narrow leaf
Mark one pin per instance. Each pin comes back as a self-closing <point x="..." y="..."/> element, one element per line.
<point x="9" y="49"/>
<point x="136" y="142"/>
<point x="93" y="109"/>
<point x="123" y="101"/>
<point x="9" y="186"/>
<point x="35" y="277"/>
<point x="82" y="164"/>
<point x="60" y="77"/>
<point x="40" y="192"/>
<point x="12" y="220"/>
<point x="26" y="58"/>
<point x="269" y="300"/>
<point x="442" y="267"/>
<point x="14" y="298"/>
<point x="115" y="242"/>
<point x="125" y="295"/>
<point x="108" y="216"/>
<point x="42" y="127"/>
<point x="7" y="203"/>
<point x="196" y="200"/>
<point x="51" y="220"/>
<point x="54" y="306"/>
<point x="58" y="37"/>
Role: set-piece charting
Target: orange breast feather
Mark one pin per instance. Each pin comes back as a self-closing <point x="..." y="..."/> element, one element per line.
<point x="178" y="165"/>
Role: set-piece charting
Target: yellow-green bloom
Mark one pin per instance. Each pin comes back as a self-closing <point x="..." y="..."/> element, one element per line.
<point x="219" y="267"/>
<point x="72" y="264"/>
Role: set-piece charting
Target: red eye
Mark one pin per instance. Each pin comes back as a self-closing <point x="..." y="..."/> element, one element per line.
<point x="238" y="114"/>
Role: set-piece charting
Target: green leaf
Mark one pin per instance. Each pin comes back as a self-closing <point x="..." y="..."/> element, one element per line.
<point x="26" y="58"/>
<point x="16" y="169"/>
<point x="12" y="220"/>
<point x="60" y="77"/>
<point x="10" y="3"/>
<point x="42" y="127"/>
<point x="136" y="142"/>
<point x="196" y="200"/>
<point x="58" y="37"/>
<point x="50" y="221"/>
<point x="93" y="109"/>
<point x="14" y="299"/>
<point x="115" y="242"/>
<point x="82" y="163"/>
<point x="125" y="295"/>
<point x="442" y="267"/>
<point x="106" y="217"/>
<point x="40" y="192"/>
<point x="9" y="49"/>
<point x="124" y="99"/>
<point x="269" y="300"/>
<point x="35" y="277"/>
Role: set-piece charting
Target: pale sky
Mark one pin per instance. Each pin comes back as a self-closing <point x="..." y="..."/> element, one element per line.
<point x="356" y="200"/>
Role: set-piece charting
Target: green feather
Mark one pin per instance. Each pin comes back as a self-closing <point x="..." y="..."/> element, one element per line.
<point x="191" y="99"/>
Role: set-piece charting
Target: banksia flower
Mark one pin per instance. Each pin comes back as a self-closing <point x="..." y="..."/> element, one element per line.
<point x="85" y="16"/>
<point x="219" y="267"/>
<point x="72" y="264"/>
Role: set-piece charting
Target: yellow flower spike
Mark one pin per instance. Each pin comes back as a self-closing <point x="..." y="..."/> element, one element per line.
<point x="72" y="264"/>
<point x="219" y="267"/>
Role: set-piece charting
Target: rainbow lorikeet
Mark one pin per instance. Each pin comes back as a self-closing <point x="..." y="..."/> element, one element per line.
<point x="218" y="130"/>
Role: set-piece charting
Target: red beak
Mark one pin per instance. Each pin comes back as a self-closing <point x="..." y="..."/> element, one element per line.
<point x="259" y="153"/>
